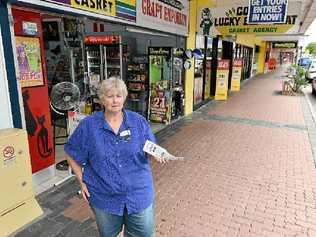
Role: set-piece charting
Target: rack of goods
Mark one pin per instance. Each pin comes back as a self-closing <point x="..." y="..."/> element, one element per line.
<point x="137" y="85"/>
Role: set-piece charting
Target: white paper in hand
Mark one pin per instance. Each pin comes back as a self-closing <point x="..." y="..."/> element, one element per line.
<point x="158" y="151"/>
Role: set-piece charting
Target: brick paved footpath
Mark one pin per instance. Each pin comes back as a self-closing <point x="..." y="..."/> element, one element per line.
<point x="248" y="171"/>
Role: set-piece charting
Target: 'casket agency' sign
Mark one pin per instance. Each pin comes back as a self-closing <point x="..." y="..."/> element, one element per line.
<point x="267" y="11"/>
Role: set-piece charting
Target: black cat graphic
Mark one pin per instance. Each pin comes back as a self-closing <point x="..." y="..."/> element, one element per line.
<point x="42" y="139"/>
<point x="31" y="124"/>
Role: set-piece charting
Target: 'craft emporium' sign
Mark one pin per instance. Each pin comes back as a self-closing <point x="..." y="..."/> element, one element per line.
<point x="164" y="15"/>
<point x="267" y="11"/>
<point x="125" y="9"/>
<point x="234" y="20"/>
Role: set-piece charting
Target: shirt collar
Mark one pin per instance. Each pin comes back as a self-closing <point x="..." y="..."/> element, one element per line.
<point x="127" y="121"/>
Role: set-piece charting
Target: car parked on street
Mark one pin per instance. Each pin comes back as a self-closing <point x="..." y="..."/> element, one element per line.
<point x="314" y="87"/>
<point x="304" y="62"/>
<point x="310" y="73"/>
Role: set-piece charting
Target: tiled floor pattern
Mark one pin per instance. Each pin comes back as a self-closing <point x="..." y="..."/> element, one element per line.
<point x="248" y="171"/>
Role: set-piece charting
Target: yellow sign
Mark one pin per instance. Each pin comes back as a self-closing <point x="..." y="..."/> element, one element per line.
<point x="105" y="7"/>
<point x="222" y="80"/>
<point x="236" y="75"/>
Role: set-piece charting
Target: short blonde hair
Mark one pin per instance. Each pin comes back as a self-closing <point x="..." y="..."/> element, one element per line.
<point x="112" y="83"/>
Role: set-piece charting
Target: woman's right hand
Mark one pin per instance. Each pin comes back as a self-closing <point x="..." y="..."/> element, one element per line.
<point x="84" y="191"/>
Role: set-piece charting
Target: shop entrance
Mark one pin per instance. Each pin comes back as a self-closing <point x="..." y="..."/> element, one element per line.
<point x="73" y="55"/>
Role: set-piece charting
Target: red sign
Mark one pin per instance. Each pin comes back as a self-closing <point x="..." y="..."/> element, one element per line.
<point x="223" y="64"/>
<point x="237" y="62"/>
<point x="102" y="39"/>
<point x="8" y="152"/>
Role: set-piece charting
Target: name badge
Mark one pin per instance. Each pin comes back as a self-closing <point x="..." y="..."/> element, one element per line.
<point x="125" y="135"/>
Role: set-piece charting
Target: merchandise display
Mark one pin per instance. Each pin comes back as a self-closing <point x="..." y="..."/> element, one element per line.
<point x="104" y="56"/>
<point x="137" y="84"/>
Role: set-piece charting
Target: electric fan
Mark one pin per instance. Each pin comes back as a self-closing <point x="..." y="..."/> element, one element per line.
<point x="64" y="97"/>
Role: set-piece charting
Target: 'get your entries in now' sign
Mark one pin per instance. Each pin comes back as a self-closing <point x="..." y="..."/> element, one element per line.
<point x="267" y="11"/>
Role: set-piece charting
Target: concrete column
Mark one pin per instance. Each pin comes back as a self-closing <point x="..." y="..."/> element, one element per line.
<point x="189" y="74"/>
<point x="5" y="115"/>
<point x="262" y="57"/>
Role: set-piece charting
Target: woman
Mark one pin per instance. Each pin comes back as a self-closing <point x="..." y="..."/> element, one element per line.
<point x="116" y="179"/>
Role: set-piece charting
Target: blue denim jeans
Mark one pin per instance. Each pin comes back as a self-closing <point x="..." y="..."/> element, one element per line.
<point x="135" y="225"/>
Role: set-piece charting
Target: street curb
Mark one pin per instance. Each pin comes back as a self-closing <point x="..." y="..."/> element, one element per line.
<point x="310" y="106"/>
<point x="311" y="128"/>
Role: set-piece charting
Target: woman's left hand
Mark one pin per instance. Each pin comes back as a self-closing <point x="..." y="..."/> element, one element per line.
<point x="162" y="159"/>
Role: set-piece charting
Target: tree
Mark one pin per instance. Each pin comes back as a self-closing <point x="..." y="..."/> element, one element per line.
<point x="311" y="47"/>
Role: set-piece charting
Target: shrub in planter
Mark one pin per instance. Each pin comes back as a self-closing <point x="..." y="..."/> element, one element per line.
<point x="298" y="79"/>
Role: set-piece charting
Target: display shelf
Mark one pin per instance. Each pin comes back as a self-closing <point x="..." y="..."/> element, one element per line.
<point x="136" y="72"/>
<point x="131" y="89"/>
<point x="139" y="81"/>
<point x="137" y="84"/>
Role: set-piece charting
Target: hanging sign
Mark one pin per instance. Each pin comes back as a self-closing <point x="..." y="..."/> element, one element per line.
<point x="233" y="19"/>
<point x="285" y="45"/>
<point x="236" y="74"/>
<point x="29" y="61"/>
<point x="102" y="39"/>
<point x="170" y="16"/>
<point x="267" y="11"/>
<point x="222" y="79"/>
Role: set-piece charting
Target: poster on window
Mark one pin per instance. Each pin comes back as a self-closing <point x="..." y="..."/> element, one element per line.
<point x="29" y="61"/>
<point x="236" y="74"/>
<point x="198" y="90"/>
<point x="222" y="79"/>
<point x="74" y="119"/>
<point x="207" y="89"/>
<point x="160" y="75"/>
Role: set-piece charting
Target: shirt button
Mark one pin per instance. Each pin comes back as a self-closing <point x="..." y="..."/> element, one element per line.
<point x="116" y="142"/>
<point x="120" y="166"/>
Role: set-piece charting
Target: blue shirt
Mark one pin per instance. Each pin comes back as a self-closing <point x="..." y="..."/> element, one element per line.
<point x="116" y="170"/>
